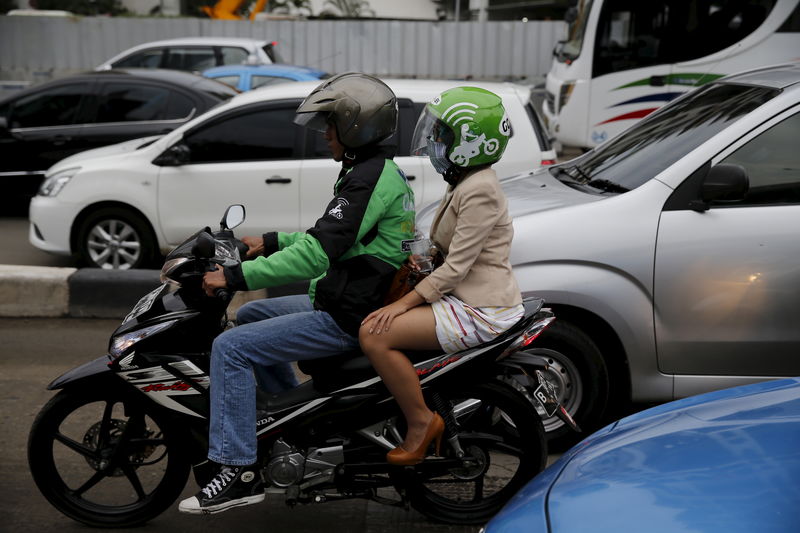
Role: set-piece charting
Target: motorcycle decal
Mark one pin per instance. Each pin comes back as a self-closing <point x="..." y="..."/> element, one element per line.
<point x="422" y="371"/>
<point x="159" y="387"/>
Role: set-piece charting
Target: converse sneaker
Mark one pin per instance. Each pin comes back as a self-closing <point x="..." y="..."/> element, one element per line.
<point x="233" y="486"/>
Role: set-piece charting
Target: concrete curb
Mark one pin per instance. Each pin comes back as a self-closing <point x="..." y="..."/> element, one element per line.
<point x="30" y="291"/>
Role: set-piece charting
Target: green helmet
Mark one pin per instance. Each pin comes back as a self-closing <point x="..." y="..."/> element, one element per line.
<point x="362" y="107"/>
<point x="470" y="122"/>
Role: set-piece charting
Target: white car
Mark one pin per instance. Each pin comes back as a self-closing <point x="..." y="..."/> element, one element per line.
<point x="671" y="253"/>
<point x="195" y="54"/>
<point x="117" y="207"/>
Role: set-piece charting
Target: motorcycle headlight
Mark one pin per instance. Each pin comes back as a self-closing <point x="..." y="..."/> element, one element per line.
<point x="122" y="343"/>
<point x="53" y="184"/>
<point x="170" y="266"/>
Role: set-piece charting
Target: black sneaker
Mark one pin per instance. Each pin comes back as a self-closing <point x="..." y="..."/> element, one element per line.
<point x="233" y="486"/>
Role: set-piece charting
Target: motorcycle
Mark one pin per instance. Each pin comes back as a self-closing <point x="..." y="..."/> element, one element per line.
<point x="115" y="446"/>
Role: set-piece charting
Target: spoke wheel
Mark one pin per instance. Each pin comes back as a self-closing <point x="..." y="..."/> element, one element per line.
<point x="504" y="443"/>
<point x="105" y="459"/>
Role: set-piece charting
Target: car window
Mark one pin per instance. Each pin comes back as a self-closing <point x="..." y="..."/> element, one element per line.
<point x="232" y="55"/>
<point x="262" y="81"/>
<point x="191" y="58"/>
<point x="272" y="53"/>
<point x="123" y="102"/>
<point x="179" y="107"/>
<point x="233" y="81"/>
<point x="653" y="144"/>
<point x="52" y="107"/>
<point x="250" y="135"/>
<point x="406" y="122"/>
<point x="146" y="59"/>
<point x="772" y="165"/>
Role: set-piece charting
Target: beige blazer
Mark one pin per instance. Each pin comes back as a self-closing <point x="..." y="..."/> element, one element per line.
<point x="473" y="228"/>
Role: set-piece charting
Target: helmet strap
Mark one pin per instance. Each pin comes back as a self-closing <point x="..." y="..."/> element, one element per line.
<point x="452" y="175"/>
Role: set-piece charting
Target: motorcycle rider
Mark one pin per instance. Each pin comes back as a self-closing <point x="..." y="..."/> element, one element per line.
<point x="350" y="255"/>
<point x="473" y="296"/>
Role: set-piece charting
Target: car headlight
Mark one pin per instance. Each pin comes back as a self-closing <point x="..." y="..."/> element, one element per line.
<point x="53" y="184"/>
<point x="121" y="343"/>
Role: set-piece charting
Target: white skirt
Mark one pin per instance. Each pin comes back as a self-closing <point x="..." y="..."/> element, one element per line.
<point x="460" y="326"/>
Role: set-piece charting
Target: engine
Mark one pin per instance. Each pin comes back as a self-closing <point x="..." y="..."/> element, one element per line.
<point x="288" y="466"/>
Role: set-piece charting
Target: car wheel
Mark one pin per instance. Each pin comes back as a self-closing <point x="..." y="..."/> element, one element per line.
<point x="578" y="372"/>
<point x="115" y="239"/>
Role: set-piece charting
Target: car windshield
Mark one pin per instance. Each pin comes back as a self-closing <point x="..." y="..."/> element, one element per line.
<point x="642" y="152"/>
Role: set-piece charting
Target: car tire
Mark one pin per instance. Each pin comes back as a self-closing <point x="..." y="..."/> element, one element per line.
<point x="115" y="238"/>
<point x="580" y="376"/>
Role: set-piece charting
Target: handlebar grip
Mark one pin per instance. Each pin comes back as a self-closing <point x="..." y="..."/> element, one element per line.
<point x="222" y="294"/>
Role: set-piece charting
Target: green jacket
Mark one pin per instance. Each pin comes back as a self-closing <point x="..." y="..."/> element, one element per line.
<point x="352" y="252"/>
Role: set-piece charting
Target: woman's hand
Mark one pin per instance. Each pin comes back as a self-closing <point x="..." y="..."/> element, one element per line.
<point x="214" y="280"/>
<point x="382" y="318"/>
<point x="255" y="246"/>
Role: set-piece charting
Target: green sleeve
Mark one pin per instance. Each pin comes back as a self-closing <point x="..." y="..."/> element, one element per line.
<point x="303" y="259"/>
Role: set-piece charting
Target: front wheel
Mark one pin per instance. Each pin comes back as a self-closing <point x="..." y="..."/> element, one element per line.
<point x="106" y="459"/>
<point x="115" y="238"/>
<point x="501" y="433"/>
<point x="579" y="375"/>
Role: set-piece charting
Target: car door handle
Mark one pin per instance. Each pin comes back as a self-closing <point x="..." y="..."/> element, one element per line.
<point x="61" y="139"/>
<point x="411" y="177"/>
<point x="658" y="81"/>
<point x="277" y="179"/>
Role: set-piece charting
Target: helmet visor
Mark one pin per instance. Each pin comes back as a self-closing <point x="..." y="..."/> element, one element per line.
<point x="430" y="128"/>
<point x="317" y="120"/>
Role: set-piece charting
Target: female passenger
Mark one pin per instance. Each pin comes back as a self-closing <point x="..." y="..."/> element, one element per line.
<point x="473" y="296"/>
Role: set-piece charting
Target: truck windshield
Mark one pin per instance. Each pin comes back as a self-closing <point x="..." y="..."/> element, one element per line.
<point x="646" y="149"/>
<point x="571" y="48"/>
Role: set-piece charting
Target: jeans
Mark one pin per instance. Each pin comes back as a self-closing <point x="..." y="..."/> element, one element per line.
<point x="271" y="334"/>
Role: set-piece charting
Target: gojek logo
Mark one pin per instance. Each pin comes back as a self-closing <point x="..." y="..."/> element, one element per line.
<point x="460" y="112"/>
<point x="337" y="210"/>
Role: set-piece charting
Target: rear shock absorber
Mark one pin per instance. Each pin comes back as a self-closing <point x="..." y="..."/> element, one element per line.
<point x="445" y="410"/>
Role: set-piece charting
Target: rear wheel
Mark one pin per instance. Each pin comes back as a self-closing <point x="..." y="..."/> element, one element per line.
<point x="501" y="433"/>
<point x="115" y="238"/>
<point x="106" y="459"/>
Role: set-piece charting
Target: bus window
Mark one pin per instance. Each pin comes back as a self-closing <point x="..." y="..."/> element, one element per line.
<point x="633" y="34"/>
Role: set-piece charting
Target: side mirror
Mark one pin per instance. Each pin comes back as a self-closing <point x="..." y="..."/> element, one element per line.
<point x="5" y="132"/>
<point x="723" y="183"/>
<point x="233" y="216"/>
<point x="174" y="156"/>
<point x="571" y="15"/>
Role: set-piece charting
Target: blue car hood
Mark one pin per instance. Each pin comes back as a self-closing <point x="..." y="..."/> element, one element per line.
<point x="727" y="461"/>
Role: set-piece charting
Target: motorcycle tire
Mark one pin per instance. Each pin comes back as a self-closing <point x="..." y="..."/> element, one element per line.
<point x="502" y="430"/>
<point x="106" y="458"/>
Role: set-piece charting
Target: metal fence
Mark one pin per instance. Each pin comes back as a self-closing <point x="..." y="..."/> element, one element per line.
<point x="34" y="49"/>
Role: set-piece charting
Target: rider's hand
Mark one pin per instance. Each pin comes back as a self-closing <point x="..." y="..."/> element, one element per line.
<point x="214" y="280"/>
<point x="382" y="318"/>
<point x="255" y="246"/>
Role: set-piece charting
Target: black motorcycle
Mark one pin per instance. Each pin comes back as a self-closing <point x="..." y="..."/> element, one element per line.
<point x="114" y="447"/>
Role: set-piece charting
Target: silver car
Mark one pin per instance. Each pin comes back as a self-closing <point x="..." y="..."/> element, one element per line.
<point x="670" y="254"/>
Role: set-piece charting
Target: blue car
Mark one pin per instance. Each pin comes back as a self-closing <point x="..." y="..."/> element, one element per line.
<point x="246" y="77"/>
<point x="726" y="461"/>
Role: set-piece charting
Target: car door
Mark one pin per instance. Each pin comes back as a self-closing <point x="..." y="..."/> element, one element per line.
<point x="246" y="156"/>
<point x="44" y="128"/>
<point x="319" y="172"/>
<point x="133" y="109"/>
<point x="727" y="280"/>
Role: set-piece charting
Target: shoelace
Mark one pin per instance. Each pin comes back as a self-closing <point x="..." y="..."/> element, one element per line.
<point x="225" y="476"/>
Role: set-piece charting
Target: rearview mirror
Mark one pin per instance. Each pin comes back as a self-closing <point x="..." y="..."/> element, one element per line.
<point x="174" y="156"/>
<point x="233" y="216"/>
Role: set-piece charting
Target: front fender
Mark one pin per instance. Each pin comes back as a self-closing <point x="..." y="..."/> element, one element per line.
<point x="91" y="369"/>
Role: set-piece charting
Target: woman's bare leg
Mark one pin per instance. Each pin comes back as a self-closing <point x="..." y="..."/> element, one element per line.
<point x="413" y="330"/>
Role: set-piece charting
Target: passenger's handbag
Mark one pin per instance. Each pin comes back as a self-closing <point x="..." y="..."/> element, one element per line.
<point x="407" y="278"/>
